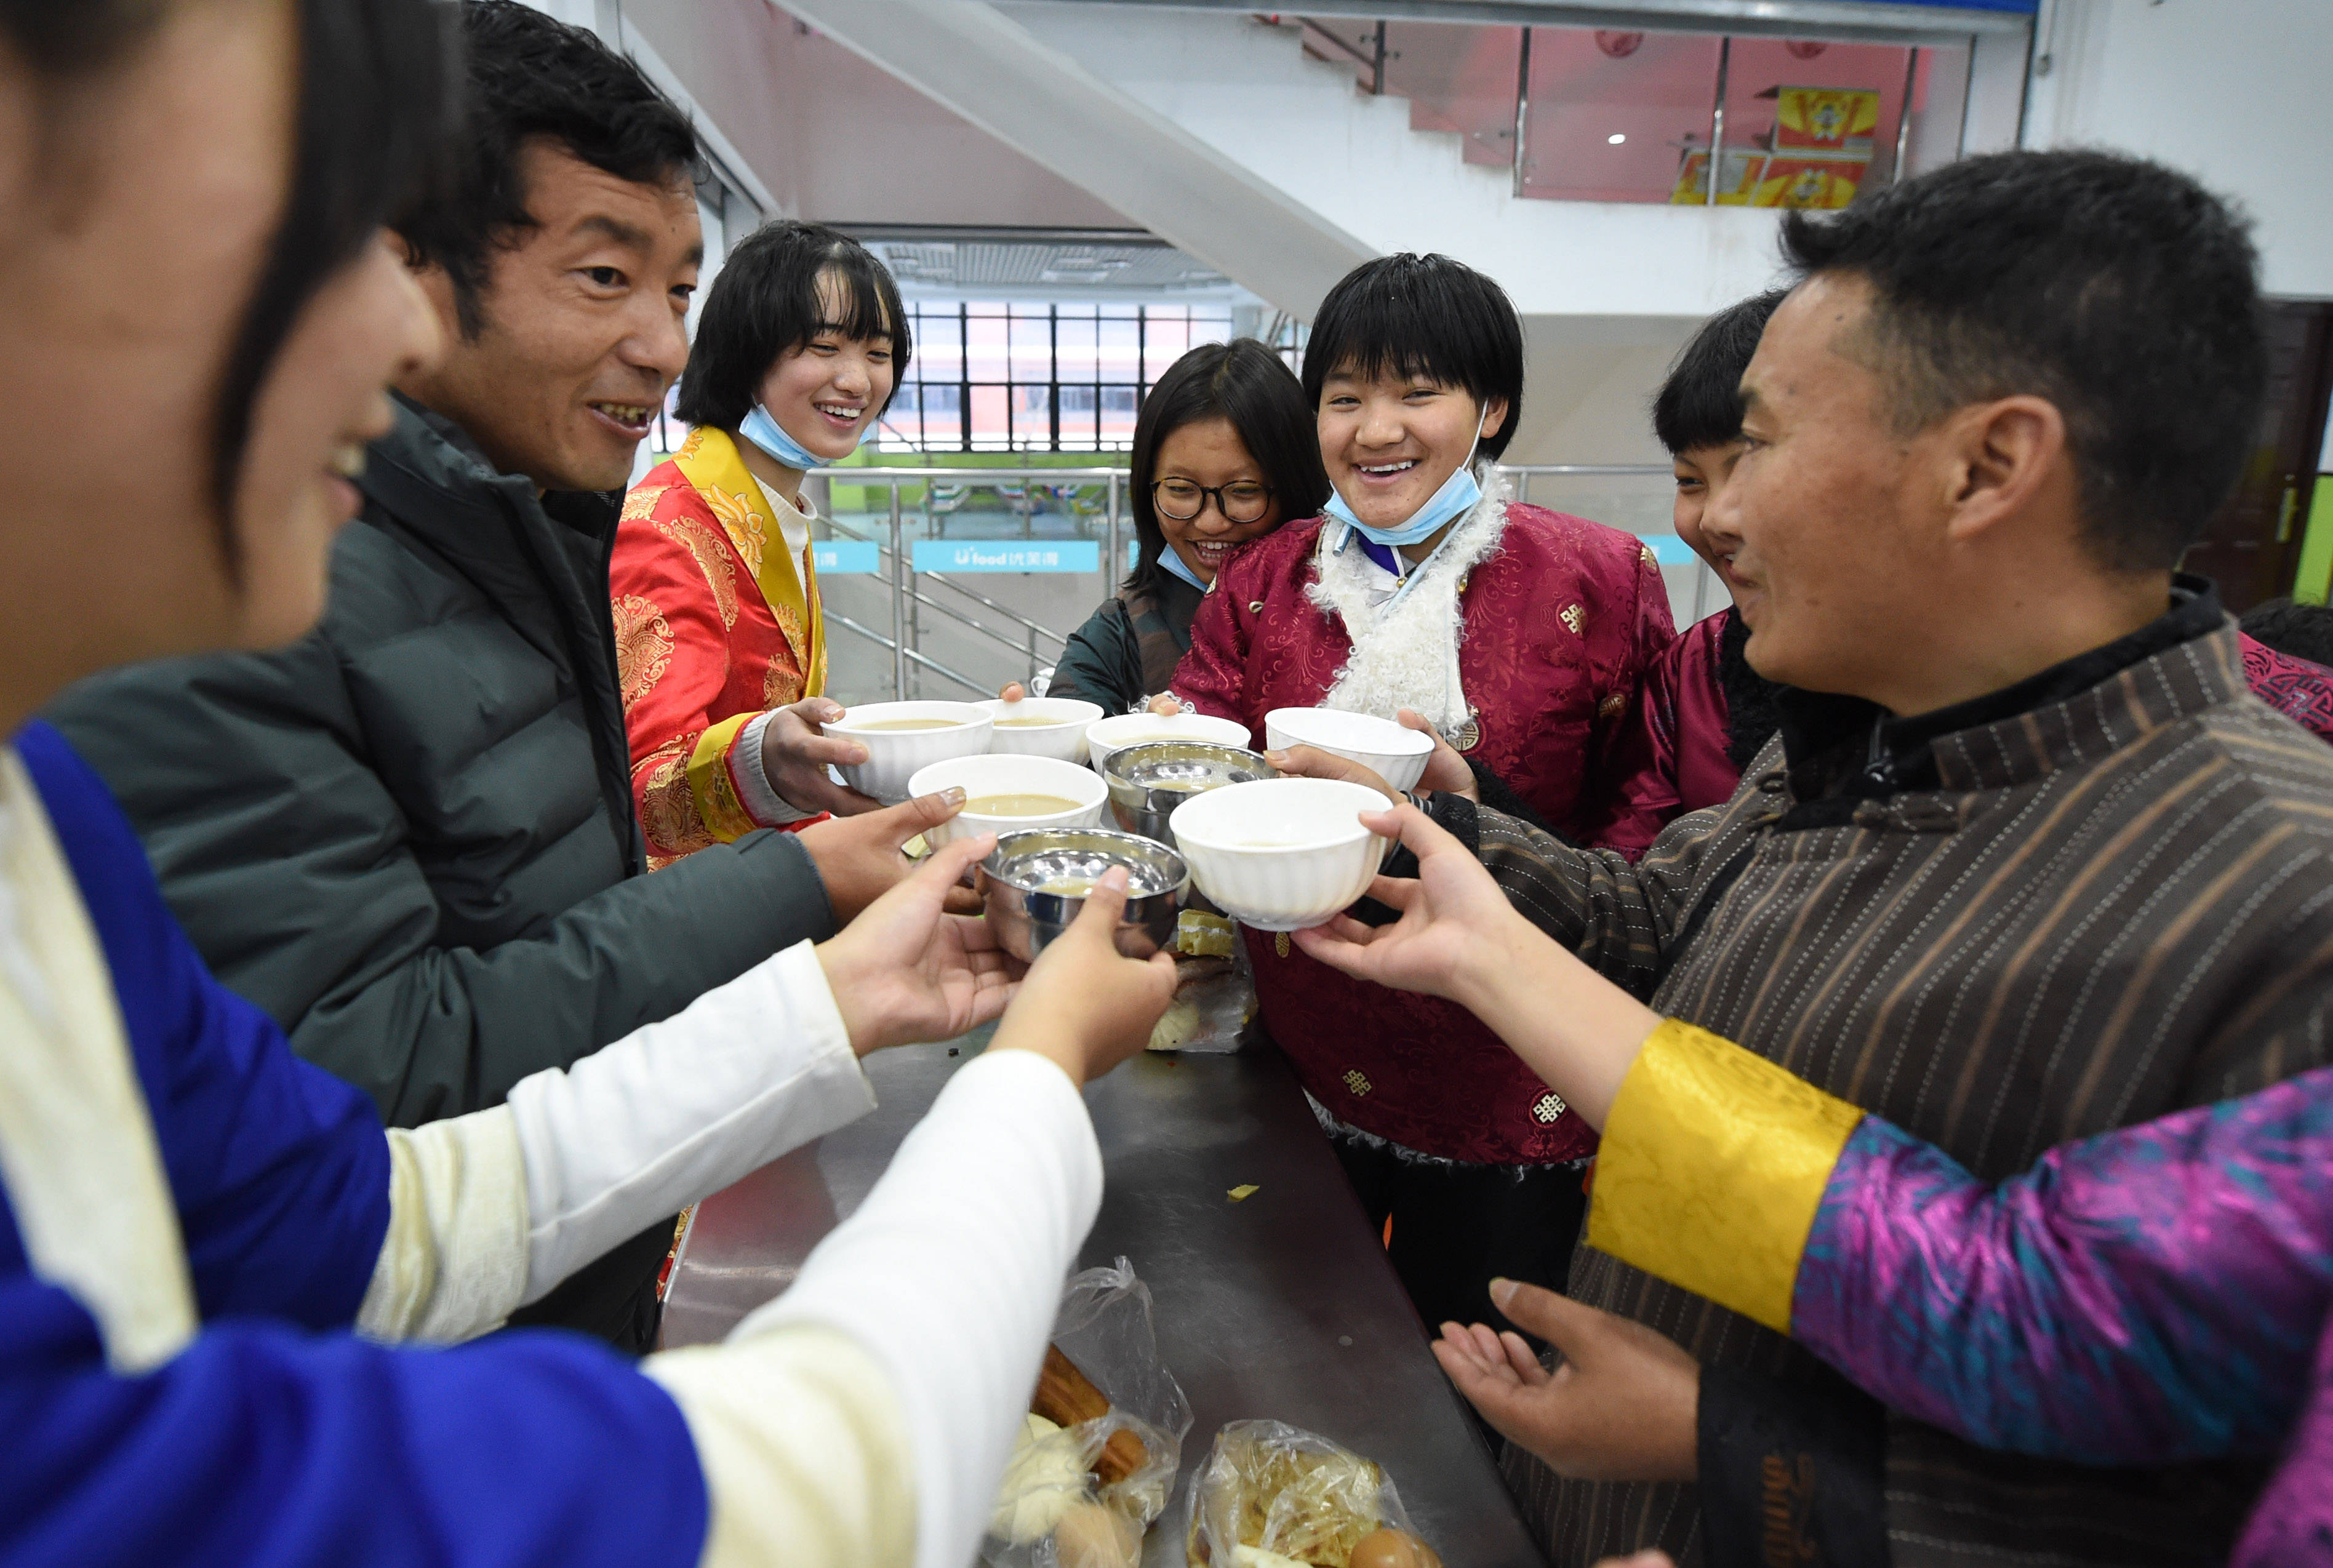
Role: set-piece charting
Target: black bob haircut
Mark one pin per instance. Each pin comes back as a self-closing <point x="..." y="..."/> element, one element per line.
<point x="531" y="77"/>
<point x="1700" y="404"/>
<point x="1247" y="384"/>
<point x="375" y="97"/>
<point x="1422" y="315"/>
<point x="2121" y="291"/>
<point x="764" y="303"/>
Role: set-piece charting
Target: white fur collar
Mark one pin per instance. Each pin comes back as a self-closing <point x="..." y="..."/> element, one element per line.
<point x="1408" y="658"/>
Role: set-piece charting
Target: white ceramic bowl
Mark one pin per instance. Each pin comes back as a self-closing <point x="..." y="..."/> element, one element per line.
<point x="1397" y="753"/>
<point x="893" y="755"/>
<point x="1060" y="730"/>
<point x="1281" y="854"/>
<point x="1107" y="736"/>
<point x="1009" y="774"/>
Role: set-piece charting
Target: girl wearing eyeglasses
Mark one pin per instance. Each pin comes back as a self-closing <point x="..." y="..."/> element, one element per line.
<point x="1517" y="632"/>
<point x="1222" y="455"/>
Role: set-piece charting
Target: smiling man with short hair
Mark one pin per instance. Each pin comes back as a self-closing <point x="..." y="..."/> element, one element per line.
<point x="410" y="835"/>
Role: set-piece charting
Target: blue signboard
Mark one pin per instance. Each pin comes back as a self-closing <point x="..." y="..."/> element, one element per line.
<point x="833" y="555"/>
<point x="1134" y="546"/>
<point x="1007" y="555"/>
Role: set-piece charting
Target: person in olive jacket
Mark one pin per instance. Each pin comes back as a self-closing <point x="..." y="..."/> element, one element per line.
<point x="409" y="836"/>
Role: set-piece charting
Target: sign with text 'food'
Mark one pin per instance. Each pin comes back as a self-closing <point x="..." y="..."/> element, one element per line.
<point x="1007" y="555"/>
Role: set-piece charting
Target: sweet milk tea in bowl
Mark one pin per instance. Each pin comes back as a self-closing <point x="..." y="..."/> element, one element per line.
<point x="1053" y="726"/>
<point x="903" y="736"/>
<point x="1281" y="854"/>
<point x="1006" y="790"/>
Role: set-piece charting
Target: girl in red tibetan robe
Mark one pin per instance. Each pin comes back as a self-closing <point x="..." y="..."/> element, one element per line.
<point x="1519" y="633"/>
<point x="719" y="639"/>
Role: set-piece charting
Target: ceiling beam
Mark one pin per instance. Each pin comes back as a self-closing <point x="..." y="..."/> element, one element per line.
<point x="1867" y="20"/>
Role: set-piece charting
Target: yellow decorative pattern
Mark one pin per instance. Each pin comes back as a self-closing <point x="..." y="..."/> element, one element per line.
<point x="747" y="528"/>
<point x="1713" y="1164"/>
<point x="642" y="504"/>
<point x="1548" y="1109"/>
<point x="667" y="808"/>
<point x="1573" y="619"/>
<point x="1645" y="553"/>
<point x="781" y="687"/>
<point x="717" y="806"/>
<point x="643" y="646"/>
<point x="1357" y="1080"/>
<point x="711" y="559"/>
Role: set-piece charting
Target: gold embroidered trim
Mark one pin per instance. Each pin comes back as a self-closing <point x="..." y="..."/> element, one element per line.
<point x="668" y="807"/>
<point x="1713" y="1165"/>
<point x="724" y="816"/>
<point x="747" y="529"/>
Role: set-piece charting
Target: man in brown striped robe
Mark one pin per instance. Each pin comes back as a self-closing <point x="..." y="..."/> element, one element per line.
<point x="2088" y="881"/>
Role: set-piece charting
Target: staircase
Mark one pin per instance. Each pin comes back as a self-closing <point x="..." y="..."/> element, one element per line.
<point x="1219" y="132"/>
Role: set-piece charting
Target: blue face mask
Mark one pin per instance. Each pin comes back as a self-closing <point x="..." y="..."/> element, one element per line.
<point x="758" y="427"/>
<point x="1457" y="497"/>
<point x="1172" y="560"/>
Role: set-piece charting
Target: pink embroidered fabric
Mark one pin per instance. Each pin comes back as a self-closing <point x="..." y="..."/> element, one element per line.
<point x="2301" y="691"/>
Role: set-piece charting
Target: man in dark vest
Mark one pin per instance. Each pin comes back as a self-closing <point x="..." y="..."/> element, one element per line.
<point x="410" y="835"/>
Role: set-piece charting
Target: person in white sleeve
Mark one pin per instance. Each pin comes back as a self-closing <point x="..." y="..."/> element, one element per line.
<point x="210" y="1251"/>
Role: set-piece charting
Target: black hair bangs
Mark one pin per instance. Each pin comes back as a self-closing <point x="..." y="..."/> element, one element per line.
<point x="1427" y="317"/>
<point x="1246" y="383"/>
<point x="871" y="307"/>
<point x="1700" y="403"/>
<point x="769" y="299"/>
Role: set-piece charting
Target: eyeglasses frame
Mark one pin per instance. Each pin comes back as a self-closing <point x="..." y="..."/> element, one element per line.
<point x="1211" y="493"/>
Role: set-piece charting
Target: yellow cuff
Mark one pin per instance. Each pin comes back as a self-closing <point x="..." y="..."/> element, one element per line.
<point x="724" y="816"/>
<point x="1713" y="1164"/>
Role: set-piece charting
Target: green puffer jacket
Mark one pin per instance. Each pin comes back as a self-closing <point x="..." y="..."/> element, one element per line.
<point x="409" y="836"/>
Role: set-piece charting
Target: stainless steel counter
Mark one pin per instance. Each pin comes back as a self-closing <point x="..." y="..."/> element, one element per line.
<point x="1281" y="1306"/>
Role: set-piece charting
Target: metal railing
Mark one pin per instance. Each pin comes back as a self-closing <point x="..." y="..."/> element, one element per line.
<point x="907" y="598"/>
<point x="962" y="611"/>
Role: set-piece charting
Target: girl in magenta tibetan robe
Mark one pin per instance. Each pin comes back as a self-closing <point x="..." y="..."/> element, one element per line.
<point x="1521" y="635"/>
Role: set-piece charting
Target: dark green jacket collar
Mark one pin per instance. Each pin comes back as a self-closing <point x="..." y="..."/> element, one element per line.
<point x="540" y="561"/>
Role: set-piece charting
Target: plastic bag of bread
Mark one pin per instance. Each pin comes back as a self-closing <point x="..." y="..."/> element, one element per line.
<point x="1273" y="1495"/>
<point x="1099" y="1451"/>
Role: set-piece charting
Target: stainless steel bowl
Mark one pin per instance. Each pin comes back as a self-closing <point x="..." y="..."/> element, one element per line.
<point x="1148" y="782"/>
<point x="1025" y="916"/>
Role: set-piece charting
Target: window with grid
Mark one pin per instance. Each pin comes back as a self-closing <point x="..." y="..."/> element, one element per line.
<point x="1037" y="377"/>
